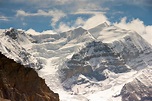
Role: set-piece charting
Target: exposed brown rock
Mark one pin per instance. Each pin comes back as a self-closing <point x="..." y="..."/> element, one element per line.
<point x="18" y="83"/>
<point x="1" y="99"/>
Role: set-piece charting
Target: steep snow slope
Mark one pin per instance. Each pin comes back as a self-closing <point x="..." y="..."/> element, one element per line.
<point x="12" y="45"/>
<point x="58" y="47"/>
<point x="54" y="50"/>
<point x="132" y="47"/>
<point x="81" y="64"/>
<point x="120" y="52"/>
<point x="88" y="60"/>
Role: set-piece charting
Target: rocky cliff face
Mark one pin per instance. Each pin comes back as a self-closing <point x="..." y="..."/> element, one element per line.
<point x="140" y="89"/>
<point x="129" y="50"/>
<point x="116" y="51"/>
<point x="18" y="83"/>
<point x="134" y="49"/>
<point x="93" y="60"/>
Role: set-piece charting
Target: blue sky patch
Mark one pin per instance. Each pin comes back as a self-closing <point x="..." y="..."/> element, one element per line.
<point x="43" y="15"/>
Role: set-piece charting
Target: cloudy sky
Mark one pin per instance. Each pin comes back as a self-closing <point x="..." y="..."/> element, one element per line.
<point x="61" y="15"/>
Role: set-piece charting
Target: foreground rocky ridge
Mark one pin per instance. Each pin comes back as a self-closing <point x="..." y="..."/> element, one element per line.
<point x="18" y="83"/>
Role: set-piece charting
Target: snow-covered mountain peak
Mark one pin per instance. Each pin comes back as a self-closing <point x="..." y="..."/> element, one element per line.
<point x="99" y="27"/>
<point x="81" y="62"/>
<point x="96" y="30"/>
<point x="13" y="33"/>
<point x="79" y="29"/>
<point x="19" y="35"/>
<point x="12" y="45"/>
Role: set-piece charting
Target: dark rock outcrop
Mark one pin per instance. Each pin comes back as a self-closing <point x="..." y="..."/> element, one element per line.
<point x="140" y="89"/>
<point x="18" y="83"/>
<point x="135" y="50"/>
<point x="120" y="56"/>
<point x="92" y="60"/>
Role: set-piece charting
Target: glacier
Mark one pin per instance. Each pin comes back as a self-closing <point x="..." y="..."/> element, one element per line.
<point x="82" y="64"/>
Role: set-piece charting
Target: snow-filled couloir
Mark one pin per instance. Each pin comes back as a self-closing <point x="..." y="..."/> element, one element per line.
<point x="80" y="64"/>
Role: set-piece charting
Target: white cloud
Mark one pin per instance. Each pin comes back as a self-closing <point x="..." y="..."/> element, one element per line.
<point x="48" y="32"/>
<point x="135" y="25"/>
<point x="32" y="32"/>
<point x="91" y="22"/>
<point x="74" y="5"/>
<point x="138" y="26"/>
<point x="55" y="14"/>
<point x="3" y="18"/>
<point x="69" y="6"/>
<point x="24" y="24"/>
<point x="81" y="11"/>
<point x="148" y="35"/>
<point x="96" y="20"/>
<point x="79" y="21"/>
<point x="149" y="30"/>
<point x="63" y="27"/>
<point x="21" y="13"/>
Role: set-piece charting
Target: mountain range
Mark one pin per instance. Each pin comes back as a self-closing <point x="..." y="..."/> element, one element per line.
<point x="104" y="63"/>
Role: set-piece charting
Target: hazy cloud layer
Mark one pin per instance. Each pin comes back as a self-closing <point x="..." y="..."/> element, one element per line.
<point x="55" y="15"/>
<point x="4" y="18"/>
<point x="138" y="26"/>
<point x="95" y="20"/>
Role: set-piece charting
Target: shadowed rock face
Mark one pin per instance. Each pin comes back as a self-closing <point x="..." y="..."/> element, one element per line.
<point x="18" y="83"/>
<point x="130" y="51"/>
<point x="92" y="60"/>
<point x="140" y="89"/>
